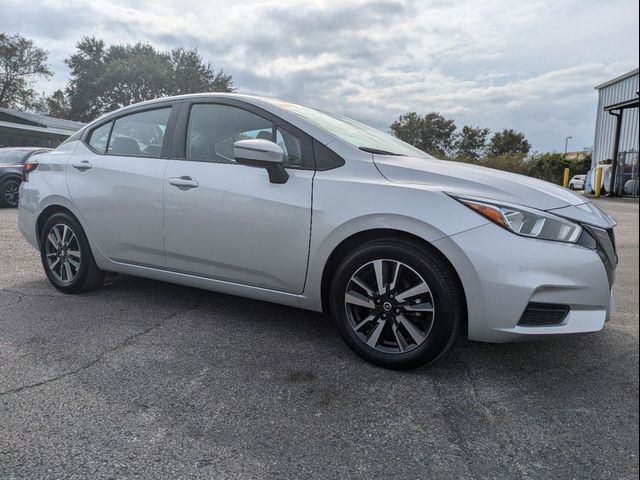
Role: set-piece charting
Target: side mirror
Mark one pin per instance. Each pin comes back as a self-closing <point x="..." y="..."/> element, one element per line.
<point x="263" y="154"/>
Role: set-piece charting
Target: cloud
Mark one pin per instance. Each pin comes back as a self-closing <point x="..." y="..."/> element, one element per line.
<point x="527" y="65"/>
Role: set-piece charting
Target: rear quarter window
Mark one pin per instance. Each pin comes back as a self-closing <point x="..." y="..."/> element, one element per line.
<point x="99" y="137"/>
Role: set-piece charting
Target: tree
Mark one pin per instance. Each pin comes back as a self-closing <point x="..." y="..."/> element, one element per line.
<point x="471" y="143"/>
<point x="583" y="165"/>
<point x="87" y="68"/>
<point x="508" y="141"/>
<point x="408" y="128"/>
<point x="103" y="79"/>
<point x="509" y="162"/>
<point x="54" y="105"/>
<point x="432" y="133"/>
<point x="550" y="166"/>
<point x="21" y="65"/>
<point x="191" y="75"/>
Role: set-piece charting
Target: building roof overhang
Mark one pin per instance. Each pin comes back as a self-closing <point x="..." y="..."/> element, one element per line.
<point x="633" y="103"/>
<point x="31" y="128"/>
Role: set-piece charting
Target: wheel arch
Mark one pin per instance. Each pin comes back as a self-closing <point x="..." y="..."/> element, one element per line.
<point x="348" y="244"/>
<point x="10" y="175"/>
<point x="47" y="213"/>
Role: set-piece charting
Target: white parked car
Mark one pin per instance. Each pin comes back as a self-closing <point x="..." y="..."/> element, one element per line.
<point x="279" y="202"/>
<point x="577" y="182"/>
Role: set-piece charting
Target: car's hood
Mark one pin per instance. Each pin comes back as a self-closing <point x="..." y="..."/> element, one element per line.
<point x="472" y="180"/>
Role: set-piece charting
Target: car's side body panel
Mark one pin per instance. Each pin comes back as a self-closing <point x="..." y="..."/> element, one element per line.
<point x="237" y="226"/>
<point x="47" y="188"/>
<point x="120" y="201"/>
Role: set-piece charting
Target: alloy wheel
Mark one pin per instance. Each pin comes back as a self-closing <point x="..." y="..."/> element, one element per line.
<point x="11" y="191"/>
<point x="389" y="306"/>
<point x="63" y="253"/>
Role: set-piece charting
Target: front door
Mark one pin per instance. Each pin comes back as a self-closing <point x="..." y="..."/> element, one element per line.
<point x="227" y="221"/>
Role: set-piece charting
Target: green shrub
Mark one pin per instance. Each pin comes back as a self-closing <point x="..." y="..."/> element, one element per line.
<point x="545" y="166"/>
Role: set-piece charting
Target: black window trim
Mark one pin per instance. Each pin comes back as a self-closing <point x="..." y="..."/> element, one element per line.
<point x="168" y="134"/>
<point x="180" y="135"/>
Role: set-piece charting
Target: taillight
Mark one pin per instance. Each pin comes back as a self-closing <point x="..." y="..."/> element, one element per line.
<point x="28" y="167"/>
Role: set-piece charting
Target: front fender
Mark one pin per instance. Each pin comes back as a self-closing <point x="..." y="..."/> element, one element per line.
<point x="344" y="206"/>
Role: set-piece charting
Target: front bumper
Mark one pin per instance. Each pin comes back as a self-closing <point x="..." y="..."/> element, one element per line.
<point x="503" y="273"/>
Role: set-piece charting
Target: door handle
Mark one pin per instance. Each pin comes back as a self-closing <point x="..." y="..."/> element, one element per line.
<point x="183" y="183"/>
<point x="82" y="166"/>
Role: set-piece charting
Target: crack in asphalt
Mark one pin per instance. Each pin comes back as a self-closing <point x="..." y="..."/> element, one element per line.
<point x="485" y="408"/>
<point x="101" y="355"/>
<point x="546" y="385"/>
<point x="509" y="459"/>
<point x="450" y="419"/>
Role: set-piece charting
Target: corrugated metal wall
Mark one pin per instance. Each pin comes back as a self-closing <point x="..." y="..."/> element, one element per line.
<point x="605" y="123"/>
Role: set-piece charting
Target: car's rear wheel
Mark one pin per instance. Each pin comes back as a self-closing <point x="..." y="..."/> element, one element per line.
<point x="572" y="186"/>
<point x="66" y="255"/>
<point x="9" y="192"/>
<point x="396" y="304"/>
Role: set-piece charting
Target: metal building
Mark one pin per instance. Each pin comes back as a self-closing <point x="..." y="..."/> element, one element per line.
<point x="616" y="135"/>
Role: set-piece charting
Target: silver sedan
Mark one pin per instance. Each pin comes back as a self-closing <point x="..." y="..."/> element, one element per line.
<point x="280" y="202"/>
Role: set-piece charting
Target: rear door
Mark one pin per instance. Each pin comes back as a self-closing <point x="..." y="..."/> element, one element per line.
<point x="116" y="179"/>
<point x="227" y="221"/>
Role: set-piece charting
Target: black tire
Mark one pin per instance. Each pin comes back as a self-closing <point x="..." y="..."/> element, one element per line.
<point x="9" y="192"/>
<point x="445" y="296"/>
<point x="571" y="187"/>
<point x="87" y="276"/>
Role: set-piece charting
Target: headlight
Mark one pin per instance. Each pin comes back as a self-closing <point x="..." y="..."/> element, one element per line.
<point x="525" y="221"/>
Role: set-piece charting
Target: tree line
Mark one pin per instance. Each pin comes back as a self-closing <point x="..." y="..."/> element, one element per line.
<point x="102" y="78"/>
<point x="507" y="149"/>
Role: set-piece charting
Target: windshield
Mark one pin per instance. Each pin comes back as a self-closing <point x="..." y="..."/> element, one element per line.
<point x="355" y="133"/>
<point x="12" y="156"/>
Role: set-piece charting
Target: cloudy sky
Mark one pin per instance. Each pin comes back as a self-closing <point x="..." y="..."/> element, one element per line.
<point x="529" y="65"/>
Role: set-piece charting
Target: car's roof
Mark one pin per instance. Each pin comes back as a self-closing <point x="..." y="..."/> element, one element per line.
<point x="272" y="105"/>
<point x="255" y="99"/>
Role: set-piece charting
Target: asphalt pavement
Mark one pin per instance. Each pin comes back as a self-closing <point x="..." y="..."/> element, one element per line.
<point x="143" y="379"/>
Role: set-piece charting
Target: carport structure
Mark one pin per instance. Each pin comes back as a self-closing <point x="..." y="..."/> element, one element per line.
<point x="25" y="129"/>
<point x="617" y="110"/>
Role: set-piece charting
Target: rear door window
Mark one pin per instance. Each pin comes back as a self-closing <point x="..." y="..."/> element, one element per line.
<point x="139" y="134"/>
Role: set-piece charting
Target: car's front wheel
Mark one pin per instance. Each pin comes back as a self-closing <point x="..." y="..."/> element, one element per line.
<point x="9" y="190"/>
<point x="396" y="304"/>
<point x="66" y="255"/>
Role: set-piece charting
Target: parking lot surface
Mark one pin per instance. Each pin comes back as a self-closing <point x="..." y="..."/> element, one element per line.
<point x="143" y="379"/>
